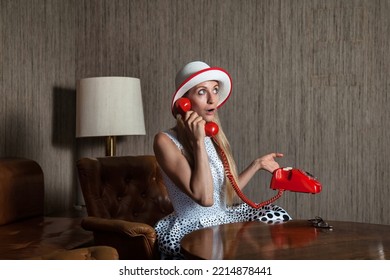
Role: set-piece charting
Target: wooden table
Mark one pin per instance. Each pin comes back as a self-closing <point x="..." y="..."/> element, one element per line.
<point x="296" y="239"/>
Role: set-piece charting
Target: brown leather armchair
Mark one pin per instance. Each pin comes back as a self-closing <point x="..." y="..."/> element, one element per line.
<point x="125" y="197"/>
<point x="25" y="230"/>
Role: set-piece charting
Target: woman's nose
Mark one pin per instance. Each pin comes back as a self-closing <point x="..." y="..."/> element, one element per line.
<point x="212" y="98"/>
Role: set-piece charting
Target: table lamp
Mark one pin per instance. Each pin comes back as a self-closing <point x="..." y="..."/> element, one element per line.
<point x="110" y="107"/>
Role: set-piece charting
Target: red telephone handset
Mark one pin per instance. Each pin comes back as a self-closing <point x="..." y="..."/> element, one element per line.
<point x="183" y="105"/>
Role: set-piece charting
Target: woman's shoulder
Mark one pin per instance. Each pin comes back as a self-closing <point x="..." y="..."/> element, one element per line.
<point x="161" y="135"/>
<point x="166" y="134"/>
<point x="163" y="138"/>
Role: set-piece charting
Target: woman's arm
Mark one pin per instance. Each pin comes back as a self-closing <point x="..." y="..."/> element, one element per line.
<point x="266" y="162"/>
<point x="196" y="182"/>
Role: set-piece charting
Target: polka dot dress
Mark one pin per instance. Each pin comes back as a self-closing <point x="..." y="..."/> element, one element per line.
<point x="189" y="216"/>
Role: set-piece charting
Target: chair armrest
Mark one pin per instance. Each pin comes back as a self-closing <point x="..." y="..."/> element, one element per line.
<point x="120" y="226"/>
<point x="125" y="236"/>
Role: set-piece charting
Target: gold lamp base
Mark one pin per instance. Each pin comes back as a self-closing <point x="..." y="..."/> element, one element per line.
<point x="111" y="146"/>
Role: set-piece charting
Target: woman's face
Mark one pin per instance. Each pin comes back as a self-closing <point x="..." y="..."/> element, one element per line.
<point x="204" y="98"/>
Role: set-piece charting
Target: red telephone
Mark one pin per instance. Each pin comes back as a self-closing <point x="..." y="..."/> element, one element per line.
<point x="183" y="105"/>
<point x="295" y="180"/>
<point x="282" y="179"/>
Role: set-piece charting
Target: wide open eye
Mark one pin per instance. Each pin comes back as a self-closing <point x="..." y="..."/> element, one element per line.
<point x="202" y="92"/>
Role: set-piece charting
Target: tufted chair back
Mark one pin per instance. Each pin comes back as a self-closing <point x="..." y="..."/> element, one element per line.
<point x="119" y="189"/>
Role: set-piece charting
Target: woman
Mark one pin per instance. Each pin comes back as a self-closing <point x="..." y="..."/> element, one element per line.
<point x="191" y="166"/>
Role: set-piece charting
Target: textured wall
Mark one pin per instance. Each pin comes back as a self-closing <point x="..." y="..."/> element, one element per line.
<point x="311" y="80"/>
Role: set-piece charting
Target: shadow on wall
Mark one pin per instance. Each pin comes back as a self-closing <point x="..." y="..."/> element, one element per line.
<point x="64" y="118"/>
<point x="64" y="135"/>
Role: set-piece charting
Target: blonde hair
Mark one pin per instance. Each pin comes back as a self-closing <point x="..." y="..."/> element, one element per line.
<point x="223" y="143"/>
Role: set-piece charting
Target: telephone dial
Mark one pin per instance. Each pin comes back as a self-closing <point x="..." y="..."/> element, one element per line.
<point x="286" y="178"/>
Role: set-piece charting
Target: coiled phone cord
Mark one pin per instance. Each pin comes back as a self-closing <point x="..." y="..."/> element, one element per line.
<point x="236" y="188"/>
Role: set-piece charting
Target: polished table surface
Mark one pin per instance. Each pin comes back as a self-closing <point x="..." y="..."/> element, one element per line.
<point x="296" y="239"/>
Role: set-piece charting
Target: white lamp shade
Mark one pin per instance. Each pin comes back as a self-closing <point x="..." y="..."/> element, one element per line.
<point x="109" y="106"/>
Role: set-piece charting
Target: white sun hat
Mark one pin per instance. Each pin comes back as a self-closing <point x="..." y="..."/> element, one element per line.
<point x="197" y="72"/>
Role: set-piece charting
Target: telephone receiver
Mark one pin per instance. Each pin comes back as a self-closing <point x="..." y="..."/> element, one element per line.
<point x="183" y="105"/>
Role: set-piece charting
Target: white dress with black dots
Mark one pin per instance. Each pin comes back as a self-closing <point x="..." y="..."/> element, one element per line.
<point x="189" y="216"/>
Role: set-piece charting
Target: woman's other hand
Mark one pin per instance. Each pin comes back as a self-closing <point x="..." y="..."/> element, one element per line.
<point x="268" y="162"/>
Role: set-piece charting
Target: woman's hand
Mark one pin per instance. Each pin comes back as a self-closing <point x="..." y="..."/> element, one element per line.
<point x="195" y="125"/>
<point x="268" y="162"/>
